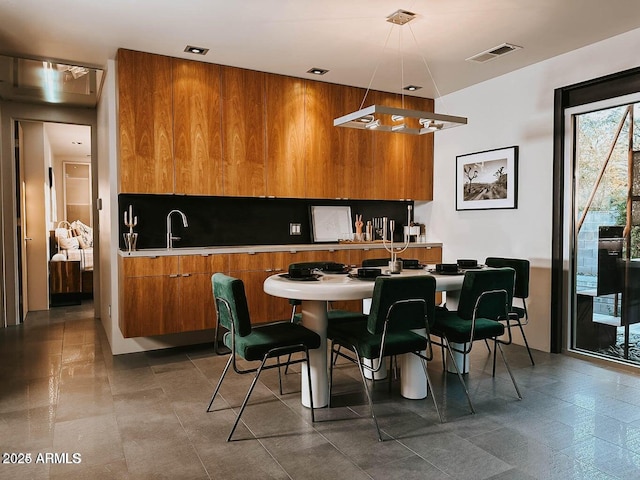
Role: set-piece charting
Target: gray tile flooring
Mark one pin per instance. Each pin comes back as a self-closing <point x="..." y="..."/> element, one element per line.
<point x="143" y="416"/>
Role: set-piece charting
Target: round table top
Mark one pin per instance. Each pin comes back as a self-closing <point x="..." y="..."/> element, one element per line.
<point x="343" y="287"/>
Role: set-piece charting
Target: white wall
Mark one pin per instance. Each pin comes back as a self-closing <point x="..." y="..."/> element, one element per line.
<point x="515" y="109"/>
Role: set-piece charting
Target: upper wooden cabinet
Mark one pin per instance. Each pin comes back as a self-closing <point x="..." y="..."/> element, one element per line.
<point x="170" y="132"/>
<point x="244" y="136"/>
<point x="285" y="126"/>
<point x="338" y="160"/>
<point x="202" y="129"/>
<point x="196" y="125"/>
<point x="146" y="125"/>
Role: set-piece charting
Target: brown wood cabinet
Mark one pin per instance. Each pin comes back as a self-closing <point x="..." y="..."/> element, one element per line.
<point x="196" y="126"/>
<point x="203" y="129"/>
<point x="161" y="295"/>
<point x="145" y="123"/>
<point x="172" y="294"/>
<point x="244" y="136"/>
<point x="285" y="127"/>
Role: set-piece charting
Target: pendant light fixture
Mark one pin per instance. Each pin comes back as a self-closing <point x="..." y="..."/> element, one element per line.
<point x="399" y="119"/>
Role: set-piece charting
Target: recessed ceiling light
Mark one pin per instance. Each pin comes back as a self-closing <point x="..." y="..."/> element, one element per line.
<point x="317" y="71"/>
<point x="412" y="88"/>
<point x="76" y="143"/>
<point x="196" y="50"/>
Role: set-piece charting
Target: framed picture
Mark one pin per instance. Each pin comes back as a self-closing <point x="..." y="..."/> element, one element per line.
<point x="331" y="223"/>
<point x="487" y="180"/>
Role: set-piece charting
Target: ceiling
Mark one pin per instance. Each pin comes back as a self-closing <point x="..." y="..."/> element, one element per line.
<point x="69" y="142"/>
<point x="345" y="37"/>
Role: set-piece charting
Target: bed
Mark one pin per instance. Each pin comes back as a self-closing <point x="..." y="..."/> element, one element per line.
<point x="73" y="241"/>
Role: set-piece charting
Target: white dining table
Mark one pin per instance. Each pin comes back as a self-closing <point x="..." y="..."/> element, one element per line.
<point x="314" y="296"/>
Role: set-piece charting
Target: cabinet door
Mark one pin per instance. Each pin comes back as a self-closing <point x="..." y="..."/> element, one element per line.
<point x="145" y="123"/>
<point x="388" y="152"/>
<point x="244" y="145"/>
<point x="197" y="309"/>
<point x="418" y="156"/>
<point x="150" y="306"/>
<point x="429" y="255"/>
<point x="285" y="120"/>
<point x="197" y="127"/>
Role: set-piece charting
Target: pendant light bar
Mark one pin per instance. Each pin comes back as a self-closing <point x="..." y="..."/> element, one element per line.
<point x="425" y="122"/>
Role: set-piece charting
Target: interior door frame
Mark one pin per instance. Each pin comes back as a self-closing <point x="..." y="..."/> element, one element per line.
<point x="10" y="113"/>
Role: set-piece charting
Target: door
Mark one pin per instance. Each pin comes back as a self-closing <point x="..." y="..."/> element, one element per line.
<point x="605" y="243"/>
<point x="22" y="225"/>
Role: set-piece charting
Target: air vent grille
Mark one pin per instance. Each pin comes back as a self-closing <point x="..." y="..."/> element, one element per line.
<point x="493" y="53"/>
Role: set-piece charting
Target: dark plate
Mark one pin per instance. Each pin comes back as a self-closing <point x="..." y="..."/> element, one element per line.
<point x="417" y="267"/>
<point x="446" y="273"/>
<point x="370" y="279"/>
<point x="337" y="272"/>
<point x="310" y="278"/>
<point x="477" y="267"/>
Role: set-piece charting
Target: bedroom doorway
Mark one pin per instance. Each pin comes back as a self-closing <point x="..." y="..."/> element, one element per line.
<point x="53" y="166"/>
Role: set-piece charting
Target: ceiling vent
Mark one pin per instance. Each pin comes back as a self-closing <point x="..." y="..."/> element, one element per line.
<point x="494" y="52"/>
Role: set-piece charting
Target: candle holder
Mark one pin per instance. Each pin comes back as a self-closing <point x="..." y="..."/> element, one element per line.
<point x="131" y="238"/>
<point x="395" y="265"/>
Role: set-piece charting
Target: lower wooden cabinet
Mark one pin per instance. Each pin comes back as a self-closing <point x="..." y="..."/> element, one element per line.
<point x="172" y="294"/>
<point x="164" y="295"/>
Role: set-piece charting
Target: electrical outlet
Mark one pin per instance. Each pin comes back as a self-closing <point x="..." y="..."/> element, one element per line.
<point x="294" y="229"/>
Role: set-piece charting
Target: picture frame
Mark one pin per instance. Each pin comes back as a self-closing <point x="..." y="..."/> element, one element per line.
<point x="331" y="223"/>
<point x="487" y="180"/>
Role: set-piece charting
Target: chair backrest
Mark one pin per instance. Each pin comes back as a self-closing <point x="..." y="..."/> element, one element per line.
<point x="388" y="290"/>
<point x="476" y="282"/>
<point x="521" y="266"/>
<point x="230" y="291"/>
<point x="376" y="262"/>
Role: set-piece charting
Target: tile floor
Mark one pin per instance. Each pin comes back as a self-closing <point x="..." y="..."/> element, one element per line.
<point x="143" y="416"/>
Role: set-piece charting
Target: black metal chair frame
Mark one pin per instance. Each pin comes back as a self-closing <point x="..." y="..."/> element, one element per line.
<point x="358" y="360"/>
<point x="497" y="342"/>
<point x="273" y="353"/>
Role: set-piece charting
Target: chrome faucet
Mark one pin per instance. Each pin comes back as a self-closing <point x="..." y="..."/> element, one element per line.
<point x="170" y="237"/>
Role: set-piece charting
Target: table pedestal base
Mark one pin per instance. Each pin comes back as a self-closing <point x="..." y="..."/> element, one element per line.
<point x="462" y="360"/>
<point x="314" y="317"/>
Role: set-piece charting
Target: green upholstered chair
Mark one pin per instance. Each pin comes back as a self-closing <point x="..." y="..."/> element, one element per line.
<point x="399" y="306"/>
<point x="485" y="299"/>
<point x="256" y="343"/>
<point x="520" y="292"/>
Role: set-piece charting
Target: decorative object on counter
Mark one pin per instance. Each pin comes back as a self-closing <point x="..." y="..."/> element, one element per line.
<point x="131" y="238"/>
<point x="395" y="265"/>
<point x="359" y="237"/>
<point x="331" y="223"/>
<point x="368" y="236"/>
<point x="487" y="180"/>
<point x="399" y="120"/>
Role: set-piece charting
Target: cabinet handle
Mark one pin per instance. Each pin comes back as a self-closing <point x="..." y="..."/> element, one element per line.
<point x="173" y="275"/>
<point x="269" y="270"/>
<point x="186" y="274"/>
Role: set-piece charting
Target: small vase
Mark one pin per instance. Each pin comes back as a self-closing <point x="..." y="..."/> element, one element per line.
<point x="130" y="240"/>
<point x="395" y="266"/>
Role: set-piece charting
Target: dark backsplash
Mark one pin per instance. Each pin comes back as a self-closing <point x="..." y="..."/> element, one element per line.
<point x="222" y="221"/>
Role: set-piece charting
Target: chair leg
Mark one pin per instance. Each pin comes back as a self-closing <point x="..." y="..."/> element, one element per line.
<point x="430" y="387"/>
<point x="494" y="356"/>
<point x="280" y="373"/>
<point x="504" y="359"/>
<point x="486" y="342"/>
<point x="464" y="385"/>
<point x="331" y="364"/>
<point x="224" y="372"/>
<point x="366" y="390"/>
<point x="526" y="344"/>
<point x="246" y="398"/>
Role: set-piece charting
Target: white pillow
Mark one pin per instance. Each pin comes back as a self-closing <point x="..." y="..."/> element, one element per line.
<point x="68" y="243"/>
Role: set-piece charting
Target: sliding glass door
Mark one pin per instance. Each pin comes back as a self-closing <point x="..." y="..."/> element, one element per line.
<point x="605" y="229"/>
